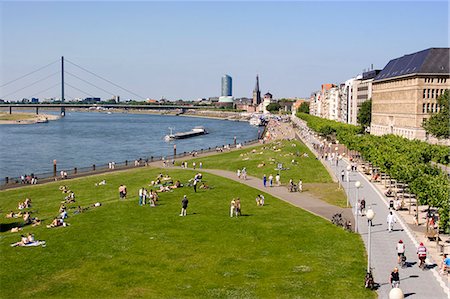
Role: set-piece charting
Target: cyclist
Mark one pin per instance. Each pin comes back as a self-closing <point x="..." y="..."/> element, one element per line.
<point x="400" y="251"/>
<point x="421" y="254"/>
<point x="394" y="279"/>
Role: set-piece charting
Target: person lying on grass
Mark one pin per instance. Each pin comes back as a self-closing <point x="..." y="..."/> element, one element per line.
<point x="28" y="241"/>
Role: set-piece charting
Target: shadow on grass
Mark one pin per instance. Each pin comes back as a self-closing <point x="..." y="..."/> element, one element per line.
<point x="4" y="227"/>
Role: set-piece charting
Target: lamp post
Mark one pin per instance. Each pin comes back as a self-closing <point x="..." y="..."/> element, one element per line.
<point x="348" y="182"/>
<point x="357" y="185"/>
<point x="370" y="214"/>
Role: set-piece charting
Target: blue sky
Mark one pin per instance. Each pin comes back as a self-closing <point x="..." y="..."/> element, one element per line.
<point x="181" y="49"/>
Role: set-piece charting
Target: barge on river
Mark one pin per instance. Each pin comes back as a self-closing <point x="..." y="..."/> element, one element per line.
<point x="194" y="132"/>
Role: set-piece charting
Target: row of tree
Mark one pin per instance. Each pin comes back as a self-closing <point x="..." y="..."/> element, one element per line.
<point x="408" y="161"/>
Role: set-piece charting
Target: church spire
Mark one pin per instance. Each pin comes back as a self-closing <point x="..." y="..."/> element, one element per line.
<point x="256" y="93"/>
<point x="257" y="84"/>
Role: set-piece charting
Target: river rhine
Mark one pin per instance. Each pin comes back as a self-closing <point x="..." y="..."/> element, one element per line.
<point x="84" y="138"/>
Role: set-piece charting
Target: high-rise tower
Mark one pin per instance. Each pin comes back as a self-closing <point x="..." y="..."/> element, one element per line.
<point x="226" y="86"/>
<point x="256" y="93"/>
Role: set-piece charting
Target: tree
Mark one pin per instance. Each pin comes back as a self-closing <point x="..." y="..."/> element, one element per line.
<point x="304" y="108"/>
<point x="438" y="124"/>
<point x="273" y="107"/>
<point x="365" y="114"/>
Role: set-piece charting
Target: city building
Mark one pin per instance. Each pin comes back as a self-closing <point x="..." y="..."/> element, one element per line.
<point x="226" y="100"/>
<point x="404" y="93"/>
<point x="226" y="86"/>
<point x="268" y="99"/>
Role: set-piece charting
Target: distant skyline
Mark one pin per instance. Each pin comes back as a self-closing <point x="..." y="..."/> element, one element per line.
<point x="181" y="50"/>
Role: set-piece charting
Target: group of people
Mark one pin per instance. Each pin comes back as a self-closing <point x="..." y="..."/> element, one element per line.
<point x="25" y="204"/>
<point x="260" y="200"/>
<point x="394" y="278"/>
<point x="28" y="179"/>
<point x="242" y="174"/>
<point x="292" y="187"/>
<point x="28" y="240"/>
<point x="147" y="197"/>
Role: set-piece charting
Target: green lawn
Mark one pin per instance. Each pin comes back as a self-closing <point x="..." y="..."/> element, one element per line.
<point x="124" y="250"/>
<point x="264" y="159"/>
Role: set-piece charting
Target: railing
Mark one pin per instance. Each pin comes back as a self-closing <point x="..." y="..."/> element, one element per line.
<point x="12" y="182"/>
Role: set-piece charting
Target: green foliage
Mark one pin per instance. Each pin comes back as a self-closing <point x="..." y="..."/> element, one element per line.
<point x="364" y="116"/>
<point x="273" y="107"/>
<point x="122" y="250"/>
<point x="408" y="161"/>
<point x="438" y="124"/>
<point x="304" y="108"/>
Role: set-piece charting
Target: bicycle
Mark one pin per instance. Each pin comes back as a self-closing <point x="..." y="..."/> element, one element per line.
<point x="402" y="262"/>
<point x="369" y="283"/>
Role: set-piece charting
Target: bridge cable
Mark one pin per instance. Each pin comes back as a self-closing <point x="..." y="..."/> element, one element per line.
<point x="79" y="89"/>
<point x="29" y="73"/>
<point x="45" y="89"/>
<point x="87" y="82"/>
<point x="35" y="82"/>
<point x="129" y="91"/>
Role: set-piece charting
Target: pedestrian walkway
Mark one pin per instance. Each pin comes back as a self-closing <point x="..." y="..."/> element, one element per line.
<point x="414" y="282"/>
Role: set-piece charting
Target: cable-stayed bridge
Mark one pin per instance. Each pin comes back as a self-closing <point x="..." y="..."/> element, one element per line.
<point x="82" y="81"/>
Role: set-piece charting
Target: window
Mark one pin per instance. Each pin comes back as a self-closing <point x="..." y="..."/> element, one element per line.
<point x="432" y="107"/>
<point x="424" y="93"/>
<point x="423" y="108"/>
<point x="428" y="93"/>
<point x="428" y="107"/>
<point x="432" y="93"/>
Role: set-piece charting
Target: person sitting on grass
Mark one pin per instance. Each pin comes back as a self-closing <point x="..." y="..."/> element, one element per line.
<point x="23" y="241"/>
<point x="57" y="222"/>
<point x="204" y="186"/>
<point x="21" y="206"/>
<point x="27" y="203"/>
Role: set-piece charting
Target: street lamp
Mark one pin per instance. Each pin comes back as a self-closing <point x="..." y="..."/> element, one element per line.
<point x="357" y="185"/>
<point x="370" y="214"/>
<point x="348" y="182"/>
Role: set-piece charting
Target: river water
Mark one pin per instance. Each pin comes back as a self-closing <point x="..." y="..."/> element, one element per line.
<point x="84" y="138"/>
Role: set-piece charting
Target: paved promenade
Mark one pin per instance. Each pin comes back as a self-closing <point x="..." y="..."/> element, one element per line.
<point x="414" y="282"/>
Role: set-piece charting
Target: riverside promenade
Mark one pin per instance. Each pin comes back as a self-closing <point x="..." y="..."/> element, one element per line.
<point x="414" y="282"/>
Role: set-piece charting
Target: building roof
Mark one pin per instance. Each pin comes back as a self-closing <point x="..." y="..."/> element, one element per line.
<point x="429" y="61"/>
<point x="269" y="95"/>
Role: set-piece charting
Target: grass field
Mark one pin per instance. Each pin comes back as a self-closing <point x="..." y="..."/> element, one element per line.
<point x="264" y="159"/>
<point x="123" y="250"/>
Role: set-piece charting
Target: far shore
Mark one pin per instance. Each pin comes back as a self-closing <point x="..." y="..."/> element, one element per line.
<point x="25" y="118"/>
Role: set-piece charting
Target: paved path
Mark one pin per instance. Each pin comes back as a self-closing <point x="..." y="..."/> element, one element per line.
<point x="415" y="283"/>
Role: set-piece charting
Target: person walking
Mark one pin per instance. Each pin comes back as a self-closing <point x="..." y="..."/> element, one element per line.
<point x="394" y="279"/>
<point x="264" y="180"/>
<point x="400" y="251"/>
<point x="141" y="194"/>
<point x="342" y="175"/>
<point x="300" y="186"/>
<point x="232" y="207"/>
<point x="390" y="221"/>
<point x="238" y="173"/>
<point x="277" y="179"/>
<point x="184" y="205"/>
<point x="195" y="185"/>
<point x="237" y="209"/>
<point x="270" y="180"/>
